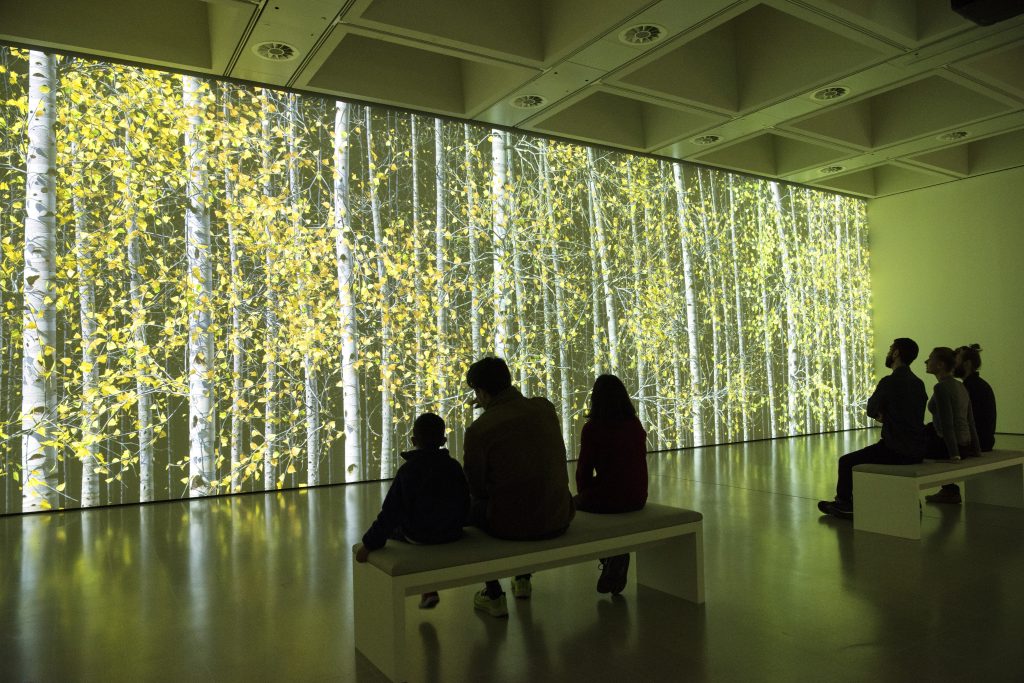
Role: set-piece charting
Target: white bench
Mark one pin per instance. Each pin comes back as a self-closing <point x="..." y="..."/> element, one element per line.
<point x="887" y="497"/>
<point x="669" y="557"/>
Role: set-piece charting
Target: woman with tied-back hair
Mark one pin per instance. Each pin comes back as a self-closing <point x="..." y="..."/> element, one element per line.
<point x="951" y="435"/>
<point x="611" y="474"/>
<point x="983" y="405"/>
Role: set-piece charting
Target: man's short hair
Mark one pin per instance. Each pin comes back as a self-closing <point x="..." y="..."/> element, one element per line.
<point x="490" y="374"/>
<point x="907" y="348"/>
<point x="429" y="430"/>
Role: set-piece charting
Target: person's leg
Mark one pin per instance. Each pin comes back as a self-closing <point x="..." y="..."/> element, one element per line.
<point x="491" y="600"/>
<point x="614" y="571"/>
<point x="875" y="453"/>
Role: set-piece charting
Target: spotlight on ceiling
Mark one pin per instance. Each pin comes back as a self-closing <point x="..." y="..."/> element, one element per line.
<point x="642" y="34"/>
<point x="830" y="94"/>
<point x="528" y="101"/>
<point x="274" y="51"/>
<point x="706" y="139"/>
<point x="829" y="170"/>
<point x="952" y="136"/>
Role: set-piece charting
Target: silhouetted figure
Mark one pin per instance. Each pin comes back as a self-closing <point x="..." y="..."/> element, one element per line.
<point x="428" y="501"/>
<point x="611" y="474"/>
<point x="983" y="405"/>
<point x="515" y="463"/>
<point x="898" y="403"/>
<point x="951" y="434"/>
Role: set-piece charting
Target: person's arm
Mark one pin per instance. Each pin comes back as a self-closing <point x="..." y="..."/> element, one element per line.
<point x="585" y="464"/>
<point x="944" y="410"/>
<point x="877" y="401"/>
<point x="388" y="520"/>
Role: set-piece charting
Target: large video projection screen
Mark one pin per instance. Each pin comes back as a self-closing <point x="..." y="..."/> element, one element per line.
<point x="208" y="288"/>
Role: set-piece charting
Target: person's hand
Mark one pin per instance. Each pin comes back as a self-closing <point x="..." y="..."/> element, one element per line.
<point x="362" y="553"/>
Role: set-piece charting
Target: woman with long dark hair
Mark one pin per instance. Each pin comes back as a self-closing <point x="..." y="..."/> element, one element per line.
<point x="611" y="474"/>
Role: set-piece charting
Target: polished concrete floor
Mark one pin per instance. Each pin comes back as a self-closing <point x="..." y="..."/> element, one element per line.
<point x="258" y="588"/>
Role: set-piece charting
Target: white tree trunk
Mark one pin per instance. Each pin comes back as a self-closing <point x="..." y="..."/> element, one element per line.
<point x="237" y="347"/>
<point x="39" y="339"/>
<point x="766" y="322"/>
<point x="90" y="374"/>
<point x="474" y="256"/>
<point x="143" y="388"/>
<point x="604" y="263"/>
<point x="270" y="436"/>
<point x="691" y="310"/>
<point x="740" y="326"/>
<point x="515" y="235"/>
<point x="639" y="334"/>
<point x="344" y="254"/>
<point x="200" y="286"/>
<point x="787" y="285"/>
<point x="417" y="257"/>
<point x="440" y="248"/>
<point x="709" y="259"/>
<point x="841" y="274"/>
<point x="383" y="278"/>
<point x="499" y="228"/>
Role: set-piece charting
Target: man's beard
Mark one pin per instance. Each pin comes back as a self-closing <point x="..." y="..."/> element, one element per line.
<point x="959" y="371"/>
<point x="888" y="360"/>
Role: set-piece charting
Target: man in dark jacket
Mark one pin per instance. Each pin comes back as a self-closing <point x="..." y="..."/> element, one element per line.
<point x="428" y="501"/>
<point x="515" y="463"/>
<point x="898" y="403"/>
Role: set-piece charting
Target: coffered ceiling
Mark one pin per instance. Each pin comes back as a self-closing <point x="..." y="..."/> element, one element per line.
<point x="866" y="97"/>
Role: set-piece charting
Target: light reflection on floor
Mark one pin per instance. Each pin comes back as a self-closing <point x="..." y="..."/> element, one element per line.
<point x="258" y="588"/>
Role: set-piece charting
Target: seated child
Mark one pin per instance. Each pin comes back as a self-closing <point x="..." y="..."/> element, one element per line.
<point x="428" y="501"/>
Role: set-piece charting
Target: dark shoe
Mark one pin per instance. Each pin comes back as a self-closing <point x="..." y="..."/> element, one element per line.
<point x="496" y="607"/>
<point x="521" y="588"/>
<point x="429" y="600"/>
<point x="837" y="508"/>
<point x="613" y="574"/>
<point x="947" y="496"/>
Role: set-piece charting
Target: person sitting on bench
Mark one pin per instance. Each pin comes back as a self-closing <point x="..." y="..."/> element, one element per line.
<point x="898" y="403"/>
<point x="951" y="434"/>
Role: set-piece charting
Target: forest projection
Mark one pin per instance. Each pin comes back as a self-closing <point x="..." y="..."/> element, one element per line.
<point x="210" y="288"/>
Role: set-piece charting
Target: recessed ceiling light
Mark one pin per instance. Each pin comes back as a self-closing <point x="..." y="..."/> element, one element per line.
<point x="830" y="94"/>
<point x="274" y="51"/>
<point x="829" y="170"/>
<point x="642" y="34"/>
<point x="706" y="139"/>
<point x="953" y="136"/>
<point x="528" y="101"/>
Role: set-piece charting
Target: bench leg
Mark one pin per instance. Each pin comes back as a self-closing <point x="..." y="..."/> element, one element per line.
<point x="999" y="487"/>
<point x="675" y="566"/>
<point x="379" y="611"/>
<point x="886" y="505"/>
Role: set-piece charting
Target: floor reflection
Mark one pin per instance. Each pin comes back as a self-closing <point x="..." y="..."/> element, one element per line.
<point x="258" y="587"/>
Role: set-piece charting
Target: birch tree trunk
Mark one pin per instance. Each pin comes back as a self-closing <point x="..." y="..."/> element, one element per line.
<point x="474" y="255"/>
<point x="639" y="334"/>
<point x="200" y="286"/>
<point x="838" y="218"/>
<point x="691" y="309"/>
<point x="383" y="278"/>
<point x="766" y="321"/>
<point x="515" y="236"/>
<point x="343" y="251"/>
<point x="499" y="227"/>
<point x="740" y="324"/>
<point x="417" y="258"/>
<point x="311" y="377"/>
<point x="440" y="248"/>
<point x="716" y="405"/>
<point x="39" y="339"/>
<point x="237" y="347"/>
<point x="565" y="400"/>
<point x="143" y="385"/>
<point x="90" y="374"/>
<point x="787" y="285"/>
<point x="604" y="263"/>
<point x="597" y="326"/>
<point x="270" y="436"/>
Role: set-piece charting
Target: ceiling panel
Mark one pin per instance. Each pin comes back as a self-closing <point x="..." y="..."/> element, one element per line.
<point x="859" y="96"/>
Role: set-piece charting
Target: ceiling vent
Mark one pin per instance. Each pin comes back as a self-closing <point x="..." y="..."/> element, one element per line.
<point x="829" y="170"/>
<point x="528" y="101"/>
<point x="953" y="136"/>
<point x="706" y="139"/>
<point x="642" y="34"/>
<point x="831" y="94"/>
<point x="273" y="51"/>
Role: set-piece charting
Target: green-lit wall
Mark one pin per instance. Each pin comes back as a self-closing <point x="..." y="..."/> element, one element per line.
<point x="947" y="268"/>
